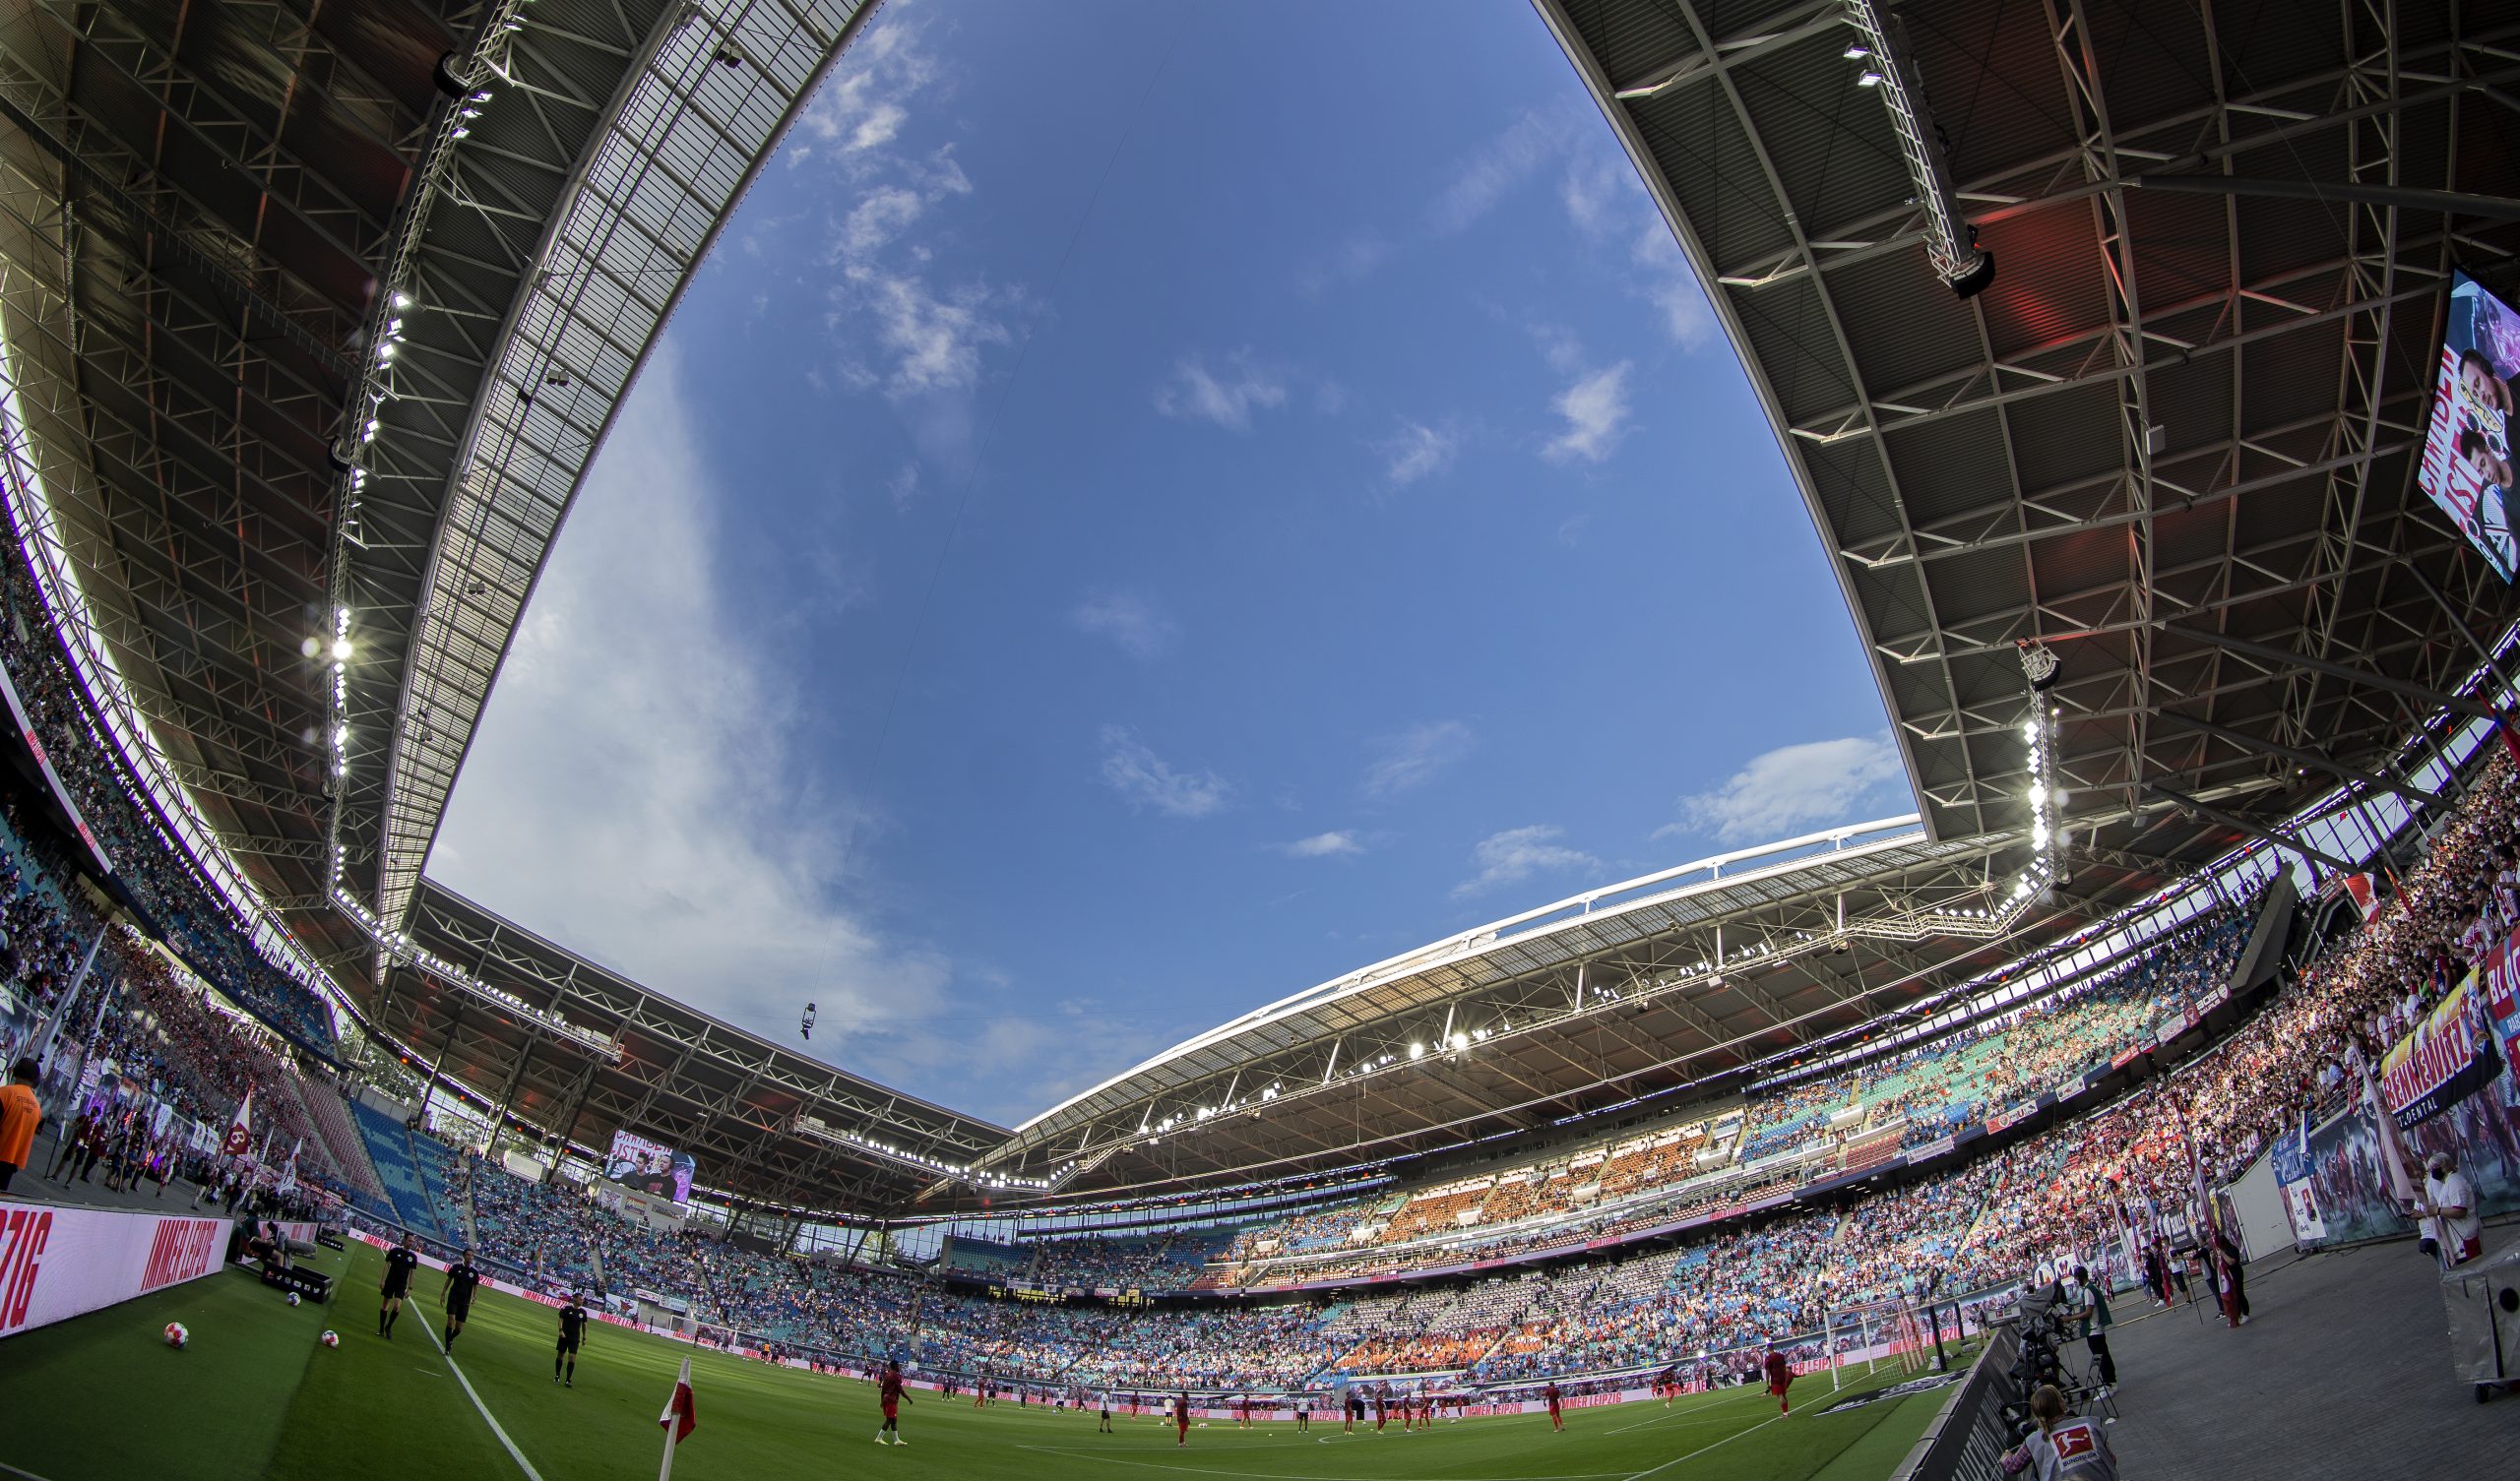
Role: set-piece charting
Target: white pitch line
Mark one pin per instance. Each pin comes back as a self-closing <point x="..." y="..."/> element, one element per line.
<point x="515" y="1454"/>
<point x="1680" y="1420"/>
<point x="1205" y="1470"/>
<point x="1702" y="1449"/>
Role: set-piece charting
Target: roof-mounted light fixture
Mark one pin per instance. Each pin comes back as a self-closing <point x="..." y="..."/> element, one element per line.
<point x="1950" y="241"/>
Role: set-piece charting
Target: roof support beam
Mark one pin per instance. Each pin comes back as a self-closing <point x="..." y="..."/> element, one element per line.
<point x="2458" y="704"/>
<point x="2233" y="821"/>
<point x="2327" y="764"/>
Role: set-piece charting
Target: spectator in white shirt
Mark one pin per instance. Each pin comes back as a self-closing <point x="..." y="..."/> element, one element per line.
<point x="2448" y="1211"/>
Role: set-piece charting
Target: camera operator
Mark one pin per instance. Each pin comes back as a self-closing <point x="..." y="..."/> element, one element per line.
<point x="2089" y="1303"/>
<point x="2061" y="1448"/>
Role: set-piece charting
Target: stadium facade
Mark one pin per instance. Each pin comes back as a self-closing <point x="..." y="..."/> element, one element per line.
<point x="313" y="324"/>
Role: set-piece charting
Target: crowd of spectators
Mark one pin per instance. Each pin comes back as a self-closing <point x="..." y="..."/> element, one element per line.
<point x="191" y="917"/>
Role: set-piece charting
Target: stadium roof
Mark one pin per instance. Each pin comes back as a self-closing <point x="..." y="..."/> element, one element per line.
<point x="576" y="1049"/>
<point x="2172" y="443"/>
<point x="1678" y="979"/>
<point x="2175" y="442"/>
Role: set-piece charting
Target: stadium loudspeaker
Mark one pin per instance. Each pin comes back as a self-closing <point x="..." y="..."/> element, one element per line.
<point x="1973" y="282"/>
<point x="442" y="74"/>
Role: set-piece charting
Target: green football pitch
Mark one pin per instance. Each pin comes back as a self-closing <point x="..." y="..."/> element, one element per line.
<point x="257" y="1394"/>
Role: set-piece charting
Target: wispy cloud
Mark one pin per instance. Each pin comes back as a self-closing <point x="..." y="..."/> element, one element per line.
<point x="1483" y="179"/>
<point x="1352" y="261"/>
<point x="1665" y="280"/>
<point x="1226" y="394"/>
<point x="1418" y="450"/>
<point x="1595" y="411"/>
<point x="1518" y="853"/>
<point x="865" y="105"/>
<point x="1790" y="790"/>
<point x="1591" y="194"/>
<point x="1338" y="844"/>
<point x="640" y="789"/>
<point x="1416" y="756"/>
<point x="1146" y="780"/>
<point x="1136" y="625"/>
<point x="898" y="324"/>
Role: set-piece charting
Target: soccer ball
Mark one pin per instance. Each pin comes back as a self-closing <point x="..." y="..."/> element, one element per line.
<point x="176" y="1334"/>
<point x="332" y="1339"/>
<point x="292" y="1298"/>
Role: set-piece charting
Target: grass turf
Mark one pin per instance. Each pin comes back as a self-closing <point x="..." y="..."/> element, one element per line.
<point x="257" y="1396"/>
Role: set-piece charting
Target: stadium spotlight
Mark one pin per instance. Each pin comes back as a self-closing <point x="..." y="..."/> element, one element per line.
<point x="1461" y="1041"/>
<point x="1416" y="1051"/>
<point x="1869" y="79"/>
<point x="342" y="649"/>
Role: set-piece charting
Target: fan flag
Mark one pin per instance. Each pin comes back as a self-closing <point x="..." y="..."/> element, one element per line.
<point x="239" y="1137"/>
<point x="680" y="1416"/>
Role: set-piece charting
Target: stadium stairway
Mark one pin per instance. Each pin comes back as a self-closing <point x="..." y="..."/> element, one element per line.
<point x="438" y="1176"/>
<point x="389" y="1150"/>
<point x="332" y="1117"/>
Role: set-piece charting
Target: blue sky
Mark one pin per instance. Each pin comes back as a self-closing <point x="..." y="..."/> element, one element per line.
<point x="1148" y="509"/>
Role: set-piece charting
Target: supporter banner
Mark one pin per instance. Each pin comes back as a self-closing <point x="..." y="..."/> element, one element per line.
<point x="2295" y="1176"/>
<point x="2499" y="978"/>
<point x="57" y="1263"/>
<point x="2347" y="1185"/>
<point x="2439" y="1063"/>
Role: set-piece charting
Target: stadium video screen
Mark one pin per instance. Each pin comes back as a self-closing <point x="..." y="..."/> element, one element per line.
<point x="649" y="1167"/>
<point x="2467" y="452"/>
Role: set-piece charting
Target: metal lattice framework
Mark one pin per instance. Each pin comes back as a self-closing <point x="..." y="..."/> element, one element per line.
<point x="1686" y="978"/>
<point x="2175" y="442"/>
<point x="316" y="315"/>
<point x="636" y="1059"/>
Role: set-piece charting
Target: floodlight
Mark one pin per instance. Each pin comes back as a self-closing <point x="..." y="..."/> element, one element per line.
<point x="1416" y="1051"/>
<point x="341" y="648"/>
<point x="1869" y="79"/>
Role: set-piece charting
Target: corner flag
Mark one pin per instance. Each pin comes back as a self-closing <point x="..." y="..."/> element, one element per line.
<point x="679" y="1418"/>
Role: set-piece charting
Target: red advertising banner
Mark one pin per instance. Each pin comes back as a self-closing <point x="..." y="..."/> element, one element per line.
<point x="57" y="1263"/>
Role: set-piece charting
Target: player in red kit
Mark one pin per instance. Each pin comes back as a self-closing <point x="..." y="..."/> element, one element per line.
<point x="893" y="1396"/>
<point x="1780" y="1377"/>
<point x="1180" y="1421"/>
<point x="1557" y="1414"/>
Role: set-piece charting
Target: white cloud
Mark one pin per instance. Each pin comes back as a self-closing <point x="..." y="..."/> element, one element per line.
<point x="1483" y="179"/>
<point x="934" y="343"/>
<point x="1339" y="844"/>
<point x="641" y="790"/>
<point x="1146" y="780"/>
<point x="1518" y="853"/>
<point x="1416" y="756"/>
<point x="1594" y="409"/>
<point x="865" y="103"/>
<point x="883" y="214"/>
<point x="1790" y="790"/>
<point x="1671" y="286"/>
<point x="1418" y="450"/>
<point x="1591" y="193"/>
<point x="1352" y="261"/>
<point x="903" y="486"/>
<point x="1226" y="396"/>
<point x="1141" y="629"/>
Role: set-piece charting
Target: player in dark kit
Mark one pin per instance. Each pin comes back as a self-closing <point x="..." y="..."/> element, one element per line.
<point x="573" y="1337"/>
<point x="1180" y="1421"/>
<point x="399" y="1262"/>
<point x="1780" y="1377"/>
<point x="461" y="1282"/>
<point x="892" y="1394"/>
<point x="1556" y="1413"/>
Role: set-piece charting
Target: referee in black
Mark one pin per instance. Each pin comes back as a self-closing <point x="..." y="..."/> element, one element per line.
<point x="461" y="1279"/>
<point x="573" y="1336"/>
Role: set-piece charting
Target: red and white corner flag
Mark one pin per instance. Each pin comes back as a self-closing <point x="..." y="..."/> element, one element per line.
<point x="239" y="1135"/>
<point x="679" y="1418"/>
